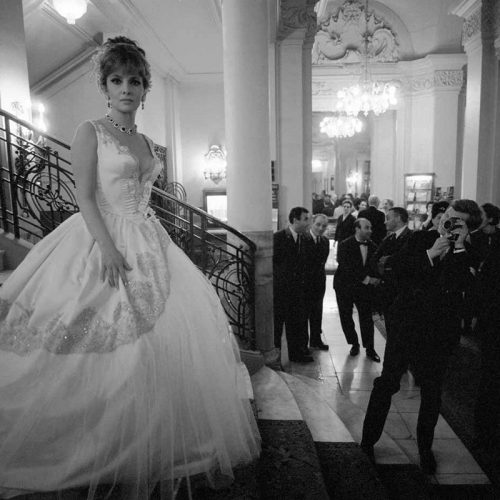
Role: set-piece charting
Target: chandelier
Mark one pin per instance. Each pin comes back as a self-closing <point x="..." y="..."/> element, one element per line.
<point x="340" y="125"/>
<point x="215" y="164"/>
<point x="368" y="95"/>
<point x="70" y="9"/>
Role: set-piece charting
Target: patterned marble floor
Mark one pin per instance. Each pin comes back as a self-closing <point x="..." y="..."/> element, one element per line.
<point x="338" y="372"/>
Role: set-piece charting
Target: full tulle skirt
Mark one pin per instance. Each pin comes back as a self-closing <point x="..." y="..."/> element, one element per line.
<point x="99" y="386"/>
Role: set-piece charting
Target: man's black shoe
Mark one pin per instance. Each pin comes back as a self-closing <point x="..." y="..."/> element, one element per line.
<point x="354" y="350"/>
<point x="370" y="353"/>
<point x="368" y="450"/>
<point x="428" y="462"/>
<point x="304" y="358"/>
<point x="319" y="345"/>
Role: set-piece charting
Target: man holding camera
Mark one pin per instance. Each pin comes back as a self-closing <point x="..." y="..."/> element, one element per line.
<point x="431" y="273"/>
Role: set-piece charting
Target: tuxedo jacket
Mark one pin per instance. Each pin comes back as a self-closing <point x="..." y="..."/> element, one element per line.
<point x="351" y="271"/>
<point x="288" y="262"/>
<point x="377" y="218"/>
<point x="429" y="300"/>
<point x="316" y="255"/>
<point x="345" y="227"/>
<point x="385" y="292"/>
<point x="390" y="245"/>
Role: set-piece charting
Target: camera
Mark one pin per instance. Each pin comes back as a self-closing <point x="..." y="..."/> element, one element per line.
<point x="450" y="225"/>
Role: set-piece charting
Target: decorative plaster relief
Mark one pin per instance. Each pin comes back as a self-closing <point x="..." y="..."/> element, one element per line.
<point x="340" y="37"/>
<point x="438" y="79"/>
<point x="294" y="16"/>
<point x="471" y="27"/>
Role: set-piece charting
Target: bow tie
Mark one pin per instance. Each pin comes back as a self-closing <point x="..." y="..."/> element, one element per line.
<point x="364" y="243"/>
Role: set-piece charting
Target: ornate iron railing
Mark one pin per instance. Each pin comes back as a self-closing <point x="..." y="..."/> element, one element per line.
<point x="37" y="193"/>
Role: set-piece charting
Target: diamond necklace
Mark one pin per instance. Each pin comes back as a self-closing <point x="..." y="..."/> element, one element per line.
<point x="121" y="128"/>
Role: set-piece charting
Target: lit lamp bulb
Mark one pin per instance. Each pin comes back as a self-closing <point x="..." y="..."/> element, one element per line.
<point x="70" y="9"/>
<point x="40" y="122"/>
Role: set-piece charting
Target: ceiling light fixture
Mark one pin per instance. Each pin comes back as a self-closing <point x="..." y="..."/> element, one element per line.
<point x="340" y="125"/>
<point x="71" y="10"/>
<point x="368" y="95"/>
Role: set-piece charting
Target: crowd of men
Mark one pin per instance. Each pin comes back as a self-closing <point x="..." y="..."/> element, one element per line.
<point x="430" y="285"/>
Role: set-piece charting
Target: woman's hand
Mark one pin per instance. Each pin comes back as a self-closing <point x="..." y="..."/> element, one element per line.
<point x="114" y="267"/>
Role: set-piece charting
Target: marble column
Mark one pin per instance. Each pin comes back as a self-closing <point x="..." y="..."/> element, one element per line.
<point x="382" y="156"/>
<point x="246" y="95"/>
<point x="14" y="82"/>
<point x="294" y="106"/>
<point x="480" y="181"/>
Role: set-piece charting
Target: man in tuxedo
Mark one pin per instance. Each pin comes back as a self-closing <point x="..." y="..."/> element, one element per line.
<point x="317" y="250"/>
<point x="396" y="224"/>
<point x="289" y="285"/>
<point x="345" y="223"/>
<point x="352" y="284"/>
<point x="376" y="218"/>
<point x="432" y="271"/>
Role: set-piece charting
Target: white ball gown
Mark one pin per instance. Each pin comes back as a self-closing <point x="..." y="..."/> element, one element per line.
<point x="104" y="386"/>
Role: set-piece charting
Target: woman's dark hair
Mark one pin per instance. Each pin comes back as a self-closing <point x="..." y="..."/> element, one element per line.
<point x="469" y="207"/>
<point x="121" y="52"/>
<point x="439" y="207"/>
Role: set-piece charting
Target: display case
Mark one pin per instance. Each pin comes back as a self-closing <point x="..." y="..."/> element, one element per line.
<point x="419" y="190"/>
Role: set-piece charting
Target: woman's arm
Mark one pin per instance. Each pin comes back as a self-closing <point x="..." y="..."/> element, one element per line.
<point x="84" y="161"/>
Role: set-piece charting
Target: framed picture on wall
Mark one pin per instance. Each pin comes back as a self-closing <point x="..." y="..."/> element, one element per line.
<point x="215" y="203"/>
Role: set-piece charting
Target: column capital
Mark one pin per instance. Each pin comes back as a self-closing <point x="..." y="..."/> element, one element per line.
<point x="481" y="20"/>
<point x="296" y="15"/>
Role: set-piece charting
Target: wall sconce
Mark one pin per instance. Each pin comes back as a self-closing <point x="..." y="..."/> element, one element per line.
<point x="70" y="9"/>
<point x="39" y="118"/>
<point x="215" y="164"/>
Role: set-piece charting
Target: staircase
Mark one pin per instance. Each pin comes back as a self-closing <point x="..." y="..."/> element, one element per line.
<point x="310" y="431"/>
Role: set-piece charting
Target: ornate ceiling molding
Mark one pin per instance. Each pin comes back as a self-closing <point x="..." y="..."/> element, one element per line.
<point x="340" y="38"/>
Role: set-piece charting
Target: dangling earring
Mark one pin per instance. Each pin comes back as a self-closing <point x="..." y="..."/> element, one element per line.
<point x="109" y="103"/>
<point x="142" y="105"/>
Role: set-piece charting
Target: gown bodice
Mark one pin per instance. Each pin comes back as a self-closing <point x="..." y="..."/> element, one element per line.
<point x="122" y="188"/>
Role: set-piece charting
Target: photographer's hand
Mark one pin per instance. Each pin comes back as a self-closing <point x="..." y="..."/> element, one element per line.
<point x="439" y="248"/>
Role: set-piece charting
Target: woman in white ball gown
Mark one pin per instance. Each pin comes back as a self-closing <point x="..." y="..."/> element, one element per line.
<point x="117" y="365"/>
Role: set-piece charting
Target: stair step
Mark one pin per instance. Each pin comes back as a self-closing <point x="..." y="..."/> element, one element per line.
<point x="273" y="398"/>
<point x="289" y="465"/>
<point x="387" y="451"/>
<point x="324" y="424"/>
